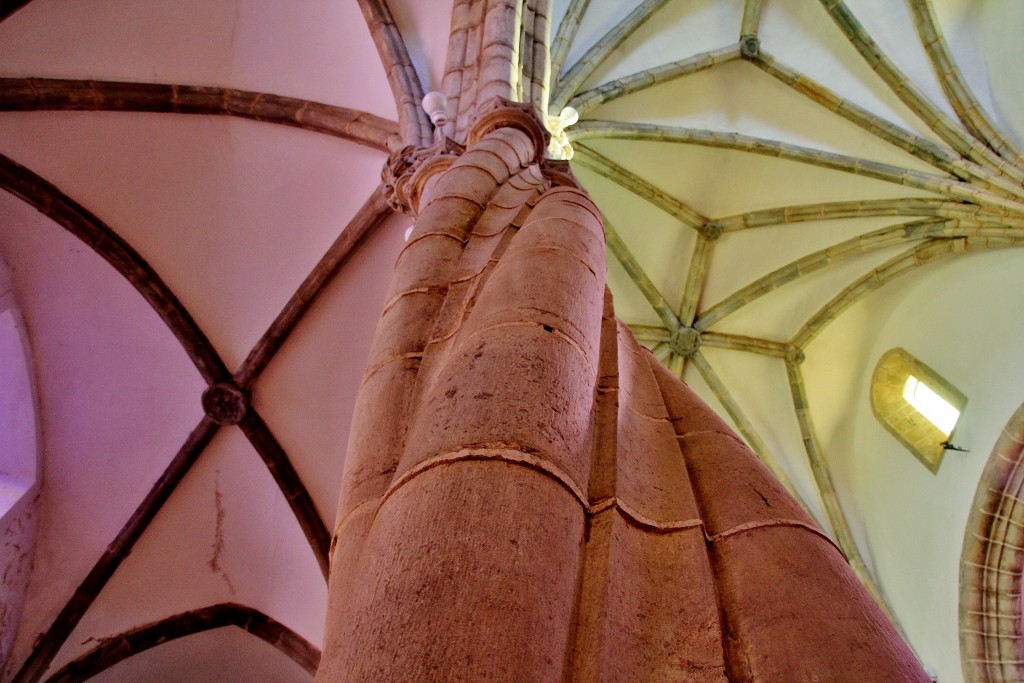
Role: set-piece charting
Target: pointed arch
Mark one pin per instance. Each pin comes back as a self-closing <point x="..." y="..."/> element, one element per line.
<point x="992" y="565"/>
<point x="115" y="649"/>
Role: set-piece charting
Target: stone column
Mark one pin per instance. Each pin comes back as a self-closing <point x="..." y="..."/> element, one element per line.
<point x="529" y="496"/>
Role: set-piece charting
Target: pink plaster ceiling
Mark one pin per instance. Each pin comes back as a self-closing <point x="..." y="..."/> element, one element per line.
<point x="106" y="367"/>
<point x="321" y="50"/>
<point x="225" y="535"/>
<point x="232" y="214"/>
<point x="314" y="378"/>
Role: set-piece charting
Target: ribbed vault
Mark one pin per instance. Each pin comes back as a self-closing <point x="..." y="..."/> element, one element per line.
<point x="767" y="170"/>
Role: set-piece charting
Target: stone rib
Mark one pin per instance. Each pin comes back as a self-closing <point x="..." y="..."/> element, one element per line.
<point x="116" y="648"/>
<point x="97" y="235"/>
<point x="742" y="507"/>
<point x="405" y="83"/>
<point x="954" y="189"/>
<point x="743" y="424"/>
<point x="993" y="562"/>
<point x="49" y="643"/>
<point x="648" y="78"/>
<point x="569" y="84"/>
<point x="910" y="95"/>
<point x="565" y="35"/>
<point x="52" y="94"/>
<point x="602" y="165"/>
<point x="369" y="217"/>
<point x="636" y="273"/>
<point x="974" y="118"/>
<point x="910" y="206"/>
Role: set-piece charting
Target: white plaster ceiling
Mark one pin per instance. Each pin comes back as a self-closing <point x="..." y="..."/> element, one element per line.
<point x="233" y="215"/>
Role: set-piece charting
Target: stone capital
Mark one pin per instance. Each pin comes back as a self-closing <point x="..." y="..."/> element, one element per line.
<point x="498" y="113"/>
<point x="408" y="169"/>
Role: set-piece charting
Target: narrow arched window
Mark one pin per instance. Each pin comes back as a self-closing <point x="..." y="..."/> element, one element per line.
<point x="916" y="405"/>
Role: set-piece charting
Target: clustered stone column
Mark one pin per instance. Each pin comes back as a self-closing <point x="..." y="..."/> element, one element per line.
<point x="529" y="496"/>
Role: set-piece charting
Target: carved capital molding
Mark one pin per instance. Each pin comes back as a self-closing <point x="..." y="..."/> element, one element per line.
<point x="409" y="168"/>
<point x="498" y="113"/>
<point x="394" y="169"/>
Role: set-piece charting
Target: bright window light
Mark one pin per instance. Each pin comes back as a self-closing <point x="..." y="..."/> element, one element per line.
<point x="938" y="411"/>
<point x="915" y="405"/>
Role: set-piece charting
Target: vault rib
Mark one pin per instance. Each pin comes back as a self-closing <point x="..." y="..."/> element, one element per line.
<point x="599" y="52"/>
<point x="54" y="94"/>
<point x="649" y="333"/>
<point x="991" y="561"/>
<point x="751" y="18"/>
<point x="48" y="199"/>
<point x="117" y="648"/>
<point x="49" y="643"/>
<point x="602" y="165"/>
<point x="696" y="277"/>
<point x="639" y="277"/>
<point x="290" y="484"/>
<point x="565" y="35"/>
<point x="736" y="342"/>
<point x="743" y="424"/>
<point x="959" y="95"/>
<point x="862" y="244"/>
<point x="405" y="83"/>
<point x="909" y="206"/>
<point x="614" y="130"/>
<point x="944" y="127"/>
<point x="919" y="255"/>
<point x="661" y="351"/>
<point x="928" y="252"/>
<point x="106" y="243"/>
<point x="826" y="489"/>
<point x="920" y="147"/>
<point x="648" y="78"/>
<point x="367" y="219"/>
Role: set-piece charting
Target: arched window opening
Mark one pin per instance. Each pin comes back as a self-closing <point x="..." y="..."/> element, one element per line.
<point x="18" y="463"/>
<point x="916" y="405"/>
<point x="17" y="413"/>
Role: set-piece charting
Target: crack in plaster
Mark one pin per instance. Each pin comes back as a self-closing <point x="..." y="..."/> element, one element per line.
<point x="217" y="548"/>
